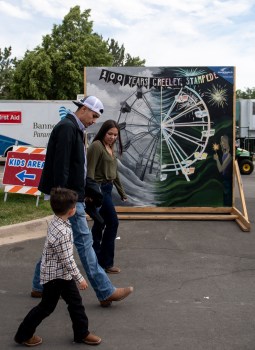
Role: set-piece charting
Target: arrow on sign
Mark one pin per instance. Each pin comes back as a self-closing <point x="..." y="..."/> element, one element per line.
<point x="22" y="176"/>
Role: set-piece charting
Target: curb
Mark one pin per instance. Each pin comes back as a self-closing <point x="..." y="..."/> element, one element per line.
<point x="24" y="231"/>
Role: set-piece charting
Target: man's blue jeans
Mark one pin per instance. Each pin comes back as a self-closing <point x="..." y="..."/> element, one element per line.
<point x="83" y="241"/>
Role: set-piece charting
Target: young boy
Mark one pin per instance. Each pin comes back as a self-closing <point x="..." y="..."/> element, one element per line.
<point x="59" y="274"/>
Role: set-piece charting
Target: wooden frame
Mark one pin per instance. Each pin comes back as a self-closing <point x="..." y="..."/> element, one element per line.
<point x="192" y="213"/>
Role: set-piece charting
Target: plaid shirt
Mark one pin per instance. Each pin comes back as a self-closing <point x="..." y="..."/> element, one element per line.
<point x="57" y="257"/>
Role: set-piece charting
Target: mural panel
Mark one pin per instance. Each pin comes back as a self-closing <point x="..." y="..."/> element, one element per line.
<point x="177" y="131"/>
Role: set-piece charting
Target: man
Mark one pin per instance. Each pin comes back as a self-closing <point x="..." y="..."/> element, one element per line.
<point x="65" y="166"/>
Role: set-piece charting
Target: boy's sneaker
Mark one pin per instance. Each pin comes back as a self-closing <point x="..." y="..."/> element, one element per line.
<point x="35" y="340"/>
<point x="92" y="339"/>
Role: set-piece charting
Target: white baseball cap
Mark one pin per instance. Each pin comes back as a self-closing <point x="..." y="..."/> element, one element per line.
<point x="92" y="102"/>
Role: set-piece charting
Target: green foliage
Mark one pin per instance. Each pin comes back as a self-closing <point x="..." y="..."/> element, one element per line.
<point x="33" y="76"/>
<point x="247" y="94"/>
<point x="133" y="61"/>
<point x="7" y="65"/>
<point x="120" y="58"/>
<point x="55" y="70"/>
<point x="117" y="52"/>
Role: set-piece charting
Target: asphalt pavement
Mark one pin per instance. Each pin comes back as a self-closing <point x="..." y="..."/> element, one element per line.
<point x="194" y="286"/>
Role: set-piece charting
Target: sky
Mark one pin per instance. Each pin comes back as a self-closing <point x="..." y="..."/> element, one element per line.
<point x="163" y="32"/>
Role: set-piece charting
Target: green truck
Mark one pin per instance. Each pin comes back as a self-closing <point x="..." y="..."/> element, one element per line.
<point x="245" y="161"/>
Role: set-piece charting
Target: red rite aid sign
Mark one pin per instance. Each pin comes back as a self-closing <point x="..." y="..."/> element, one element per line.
<point x="23" y="169"/>
<point x="10" y="117"/>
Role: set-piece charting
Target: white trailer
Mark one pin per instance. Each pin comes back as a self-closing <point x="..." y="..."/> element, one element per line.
<point x="29" y="122"/>
<point x="245" y="123"/>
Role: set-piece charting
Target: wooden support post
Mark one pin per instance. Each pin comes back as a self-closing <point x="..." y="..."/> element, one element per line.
<point x="242" y="219"/>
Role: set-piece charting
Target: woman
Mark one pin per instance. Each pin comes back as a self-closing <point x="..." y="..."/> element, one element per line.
<point x="225" y="167"/>
<point x="102" y="167"/>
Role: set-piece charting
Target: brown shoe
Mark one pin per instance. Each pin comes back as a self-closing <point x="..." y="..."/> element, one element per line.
<point x="35" y="340"/>
<point x="105" y="303"/>
<point x="119" y="294"/>
<point x="92" y="339"/>
<point x="36" y="294"/>
<point x="112" y="269"/>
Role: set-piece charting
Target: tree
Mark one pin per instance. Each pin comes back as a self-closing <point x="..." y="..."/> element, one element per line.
<point x="247" y="94"/>
<point x="55" y="69"/>
<point x="7" y="66"/>
<point x="120" y="58"/>
<point x="33" y="76"/>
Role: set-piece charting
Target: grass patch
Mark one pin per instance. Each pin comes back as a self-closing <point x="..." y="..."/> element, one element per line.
<point x="21" y="207"/>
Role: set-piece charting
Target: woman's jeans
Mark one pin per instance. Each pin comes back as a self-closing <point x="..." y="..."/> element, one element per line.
<point x="97" y="277"/>
<point x="104" y="235"/>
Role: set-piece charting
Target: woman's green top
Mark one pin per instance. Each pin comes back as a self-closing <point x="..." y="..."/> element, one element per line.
<point x="101" y="166"/>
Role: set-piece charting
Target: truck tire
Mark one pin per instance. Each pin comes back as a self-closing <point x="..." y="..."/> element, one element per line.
<point x="246" y="166"/>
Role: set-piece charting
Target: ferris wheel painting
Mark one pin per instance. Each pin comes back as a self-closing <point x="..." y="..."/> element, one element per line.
<point x="171" y="122"/>
<point x="140" y="131"/>
<point x="170" y="136"/>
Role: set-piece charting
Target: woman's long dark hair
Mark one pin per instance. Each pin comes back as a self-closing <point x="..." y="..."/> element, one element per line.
<point x="107" y="125"/>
